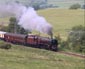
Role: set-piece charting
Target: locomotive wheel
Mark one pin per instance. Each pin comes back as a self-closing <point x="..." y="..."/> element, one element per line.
<point x="53" y="48"/>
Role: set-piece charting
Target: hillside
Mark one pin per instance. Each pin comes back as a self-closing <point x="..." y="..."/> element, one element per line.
<point x="63" y="20"/>
<point x="65" y="3"/>
<point x="60" y="3"/>
<point x="20" y="57"/>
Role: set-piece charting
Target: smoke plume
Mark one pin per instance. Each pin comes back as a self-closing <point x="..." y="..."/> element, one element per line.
<point x="27" y="17"/>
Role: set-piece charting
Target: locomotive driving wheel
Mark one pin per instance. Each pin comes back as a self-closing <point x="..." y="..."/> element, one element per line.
<point x="53" y="48"/>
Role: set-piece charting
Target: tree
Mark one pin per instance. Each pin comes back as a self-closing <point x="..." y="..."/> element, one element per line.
<point x="38" y="4"/>
<point x="83" y="7"/>
<point x="13" y="27"/>
<point x="76" y="38"/>
<point x="21" y="30"/>
<point x="75" y="6"/>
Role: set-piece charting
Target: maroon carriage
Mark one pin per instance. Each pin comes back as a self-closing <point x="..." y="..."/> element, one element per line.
<point x="14" y="38"/>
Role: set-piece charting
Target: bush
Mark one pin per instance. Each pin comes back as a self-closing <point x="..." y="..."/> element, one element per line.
<point x="5" y="46"/>
<point x="75" y="6"/>
<point x="76" y="39"/>
<point x="83" y="7"/>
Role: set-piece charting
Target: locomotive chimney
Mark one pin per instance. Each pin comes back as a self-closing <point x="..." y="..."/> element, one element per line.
<point x="51" y="36"/>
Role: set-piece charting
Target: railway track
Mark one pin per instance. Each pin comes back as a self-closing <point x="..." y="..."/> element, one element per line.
<point x="72" y="54"/>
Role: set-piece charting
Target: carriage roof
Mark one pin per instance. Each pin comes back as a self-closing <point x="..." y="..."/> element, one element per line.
<point x="2" y="32"/>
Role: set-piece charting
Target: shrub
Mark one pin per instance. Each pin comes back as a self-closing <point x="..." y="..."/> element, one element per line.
<point x="5" y="46"/>
<point x="76" y="39"/>
<point x="83" y="7"/>
<point x="64" y="45"/>
<point x="75" y="6"/>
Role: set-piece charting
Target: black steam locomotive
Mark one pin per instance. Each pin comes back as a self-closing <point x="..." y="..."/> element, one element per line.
<point x="30" y="40"/>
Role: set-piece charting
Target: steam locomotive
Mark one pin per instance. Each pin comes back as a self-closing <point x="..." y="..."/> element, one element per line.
<point x="30" y="40"/>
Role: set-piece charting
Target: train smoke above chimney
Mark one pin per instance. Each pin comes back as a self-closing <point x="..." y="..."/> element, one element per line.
<point x="27" y="17"/>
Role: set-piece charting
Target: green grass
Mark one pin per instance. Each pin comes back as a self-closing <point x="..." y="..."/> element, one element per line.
<point x="63" y="20"/>
<point x="4" y="21"/>
<point x="19" y="57"/>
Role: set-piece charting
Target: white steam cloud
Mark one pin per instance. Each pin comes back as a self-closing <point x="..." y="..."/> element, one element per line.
<point x="27" y="17"/>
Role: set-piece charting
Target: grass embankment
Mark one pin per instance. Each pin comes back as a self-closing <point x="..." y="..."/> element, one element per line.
<point x="20" y="57"/>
